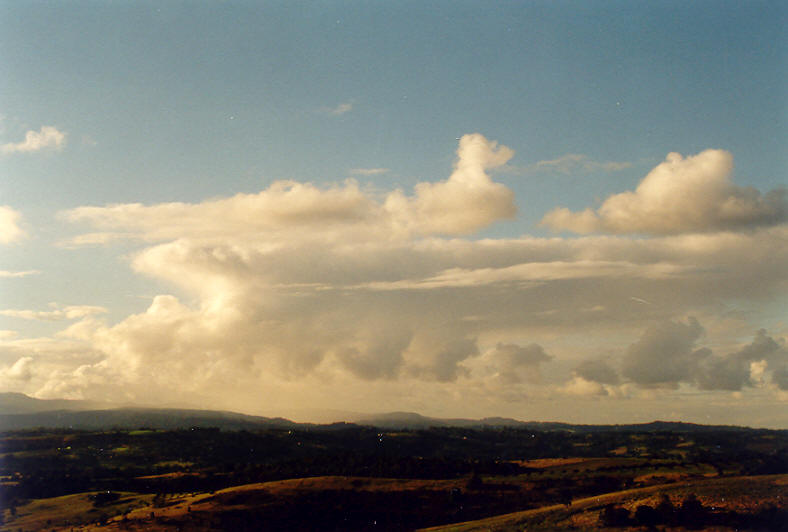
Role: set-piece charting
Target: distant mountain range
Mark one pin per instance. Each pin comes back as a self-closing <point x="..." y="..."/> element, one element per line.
<point x="18" y="412"/>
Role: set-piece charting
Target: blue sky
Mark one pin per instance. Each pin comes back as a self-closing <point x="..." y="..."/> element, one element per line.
<point x="161" y="102"/>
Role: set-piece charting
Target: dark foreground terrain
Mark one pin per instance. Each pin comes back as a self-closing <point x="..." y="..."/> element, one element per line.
<point x="349" y="477"/>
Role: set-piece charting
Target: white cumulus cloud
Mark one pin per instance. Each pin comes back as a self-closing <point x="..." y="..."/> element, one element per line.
<point x="48" y="137"/>
<point x="680" y="195"/>
<point x="10" y="231"/>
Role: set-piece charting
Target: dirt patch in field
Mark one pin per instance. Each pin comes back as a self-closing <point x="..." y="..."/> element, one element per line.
<point x="542" y="463"/>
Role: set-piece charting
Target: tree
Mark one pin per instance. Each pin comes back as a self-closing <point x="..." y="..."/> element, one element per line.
<point x="666" y="510"/>
<point x="614" y="515"/>
<point x="647" y="516"/>
<point x="692" y="513"/>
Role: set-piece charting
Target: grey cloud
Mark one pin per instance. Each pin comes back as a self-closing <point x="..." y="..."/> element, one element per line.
<point x="380" y="357"/>
<point x="512" y="362"/>
<point x="443" y="364"/>
<point x="763" y="347"/>
<point x="780" y="377"/>
<point x="732" y="372"/>
<point x="597" y="371"/>
<point x="665" y="354"/>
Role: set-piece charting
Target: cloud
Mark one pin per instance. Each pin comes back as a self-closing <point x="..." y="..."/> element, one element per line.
<point x="48" y="137"/>
<point x="10" y="231"/>
<point x="66" y="313"/>
<point x="369" y="171"/>
<point x="339" y="110"/>
<point x="341" y="293"/>
<point x="597" y="371"/>
<point x="666" y="355"/>
<point x="513" y="363"/>
<point x="780" y="377"/>
<point x="15" y="275"/>
<point x="20" y="370"/>
<point x="467" y="201"/>
<point x="680" y="195"/>
<point x="735" y="370"/>
<point x="572" y="162"/>
<point x="580" y="386"/>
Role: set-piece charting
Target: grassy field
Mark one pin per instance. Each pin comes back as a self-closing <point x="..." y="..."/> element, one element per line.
<point x="198" y="511"/>
<point x="69" y="511"/>
<point x="734" y="493"/>
<point x="362" y="478"/>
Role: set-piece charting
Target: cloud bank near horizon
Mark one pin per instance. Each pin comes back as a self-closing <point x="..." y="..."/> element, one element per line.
<point x="307" y="289"/>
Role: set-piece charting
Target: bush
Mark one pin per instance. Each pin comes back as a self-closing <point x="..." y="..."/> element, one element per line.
<point x="104" y="497"/>
<point x="647" y="516"/>
<point x="614" y="515"/>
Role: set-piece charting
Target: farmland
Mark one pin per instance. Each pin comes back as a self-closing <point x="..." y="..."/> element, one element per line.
<point x="351" y="477"/>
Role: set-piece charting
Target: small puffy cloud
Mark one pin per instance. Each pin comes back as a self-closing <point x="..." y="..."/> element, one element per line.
<point x="680" y="195"/>
<point x="66" y="313"/>
<point x="47" y="138"/>
<point x="10" y="231"/>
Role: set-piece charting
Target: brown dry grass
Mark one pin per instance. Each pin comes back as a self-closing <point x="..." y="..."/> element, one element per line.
<point x="733" y="493"/>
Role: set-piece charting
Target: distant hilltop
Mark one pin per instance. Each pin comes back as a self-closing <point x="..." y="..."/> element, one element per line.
<point x="19" y="412"/>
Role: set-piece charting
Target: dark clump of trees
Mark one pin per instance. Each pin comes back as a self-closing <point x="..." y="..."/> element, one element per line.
<point x="692" y="515"/>
<point x="104" y="497"/>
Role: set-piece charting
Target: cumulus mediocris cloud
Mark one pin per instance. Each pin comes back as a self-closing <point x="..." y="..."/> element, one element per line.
<point x="47" y="138"/>
<point x="680" y="195"/>
<point x="514" y="363"/>
<point x="467" y="201"/>
<point x="10" y="230"/>
<point x="597" y="371"/>
<point x="667" y="355"/>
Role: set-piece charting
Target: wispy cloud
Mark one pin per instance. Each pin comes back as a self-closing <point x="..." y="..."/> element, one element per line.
<point x="368" y="171"/>
<point x="569" y="164"/>
<point x="339" y="110"/>
<point x="66" y="313"/>
<point x="6" y="273"/>
<point x="48" y="137"/>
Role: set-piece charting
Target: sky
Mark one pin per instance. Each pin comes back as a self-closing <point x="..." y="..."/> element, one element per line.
<point x="559" y="211"/>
